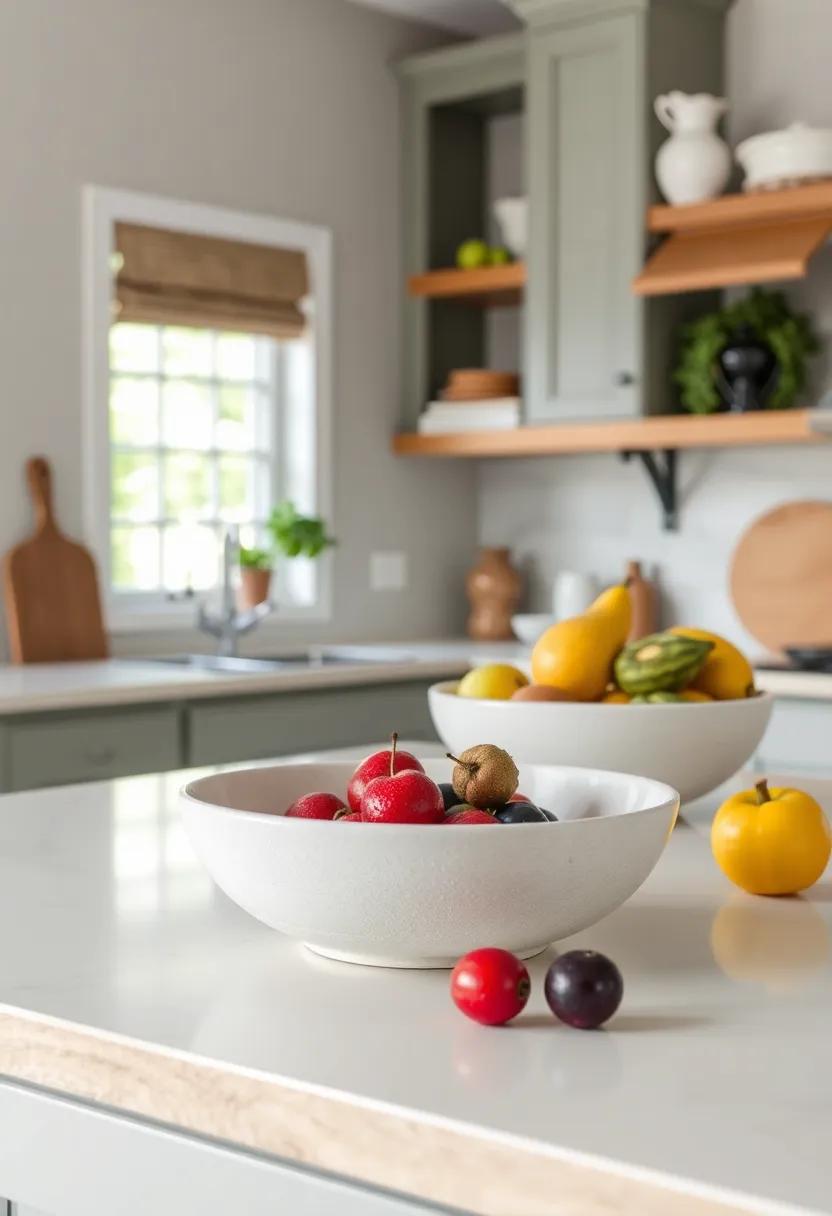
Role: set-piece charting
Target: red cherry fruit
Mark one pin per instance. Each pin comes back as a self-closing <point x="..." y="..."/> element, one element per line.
<point x="353" y="817"/>
<point x="468" y="814"/>
<point x="491" y="986"/>
<point x="315" y="806"/>
<point x="520" y="798"/>
<point x="378" y="765"/>
<point x="407" y="796"/>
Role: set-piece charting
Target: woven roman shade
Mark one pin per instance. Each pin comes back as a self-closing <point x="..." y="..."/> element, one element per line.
<point x="177" y="278"/>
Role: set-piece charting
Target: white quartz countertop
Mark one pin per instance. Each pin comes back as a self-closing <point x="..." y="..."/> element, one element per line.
<point x="39" y="687"/>
<point x="128" y="978"/>
<point x="57" y="686"/>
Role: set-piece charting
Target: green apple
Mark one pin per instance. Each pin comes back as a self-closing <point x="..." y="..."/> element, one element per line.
<point x="472" y="254"/>
<point x="499" y="256"/>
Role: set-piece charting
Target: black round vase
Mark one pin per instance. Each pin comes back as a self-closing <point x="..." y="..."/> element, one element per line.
<point x="746" y="372"/>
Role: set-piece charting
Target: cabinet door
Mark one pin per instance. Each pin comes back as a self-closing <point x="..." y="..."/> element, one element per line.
<point x="61" y="749"/>
<point x="587" y="190"/>
<point x="254" y="728"/>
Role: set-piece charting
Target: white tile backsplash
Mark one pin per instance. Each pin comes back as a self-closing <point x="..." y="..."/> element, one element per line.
<point x="593" y="513"/>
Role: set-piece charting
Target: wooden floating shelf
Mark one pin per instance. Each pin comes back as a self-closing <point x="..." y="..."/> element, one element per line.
<point x="764" y="206"/>
<point x="485" y="285"/>
<point x="670" y="432"/>
<point x="738" y="239"/>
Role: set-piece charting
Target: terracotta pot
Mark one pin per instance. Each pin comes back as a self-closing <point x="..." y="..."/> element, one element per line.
<point x="494" y="588"/>
<point x="254" y="587"/>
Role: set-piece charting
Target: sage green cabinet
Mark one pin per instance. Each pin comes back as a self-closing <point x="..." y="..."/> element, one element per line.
<point x="594" y="350"/>
<point x="254" y="728"/>
<point x="43" y="749"/>
<point x="584" y="74"/>
<point x="587" y="197"/>
<point x="91" y="745"/>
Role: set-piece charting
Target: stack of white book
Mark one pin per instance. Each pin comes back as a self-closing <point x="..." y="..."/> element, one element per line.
<point x="490" y="414"/>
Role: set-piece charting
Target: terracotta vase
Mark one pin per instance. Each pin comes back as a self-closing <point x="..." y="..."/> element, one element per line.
<point x="494" y="588"/>
<point x="254" y="587"/>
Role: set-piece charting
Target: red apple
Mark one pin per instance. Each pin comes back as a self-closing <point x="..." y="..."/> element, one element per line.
<point x="378" y="765"/>
<point x="468" y="814"/>
<point x="406" y="797"/>
<point x="315" y="806"/>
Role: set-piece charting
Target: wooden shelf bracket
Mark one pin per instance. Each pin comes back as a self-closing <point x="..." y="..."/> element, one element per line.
<point x="661" y="469"/>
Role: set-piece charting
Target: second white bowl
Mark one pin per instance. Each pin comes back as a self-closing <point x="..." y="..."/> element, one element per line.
<point x="693" y="747"/>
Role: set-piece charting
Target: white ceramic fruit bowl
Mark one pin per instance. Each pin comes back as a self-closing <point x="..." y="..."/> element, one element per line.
<point x="693" y="747"/>
<point x="392" y="895"/>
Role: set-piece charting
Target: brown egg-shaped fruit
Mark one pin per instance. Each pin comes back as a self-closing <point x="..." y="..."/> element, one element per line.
<point x="540" y="692"/>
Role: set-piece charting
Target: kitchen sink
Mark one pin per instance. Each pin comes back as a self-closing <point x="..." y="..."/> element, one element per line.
<point x="298" y="660"/>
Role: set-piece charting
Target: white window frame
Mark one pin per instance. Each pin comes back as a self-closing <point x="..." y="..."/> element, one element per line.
<point x="102" y="208"/>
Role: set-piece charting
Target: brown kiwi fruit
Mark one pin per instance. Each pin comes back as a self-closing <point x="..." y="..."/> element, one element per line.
<point x="485" y="776"/>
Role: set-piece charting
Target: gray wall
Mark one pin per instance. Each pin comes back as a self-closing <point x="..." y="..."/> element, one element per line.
<point x="285" y="107"/>
<point x="591" y="513"/>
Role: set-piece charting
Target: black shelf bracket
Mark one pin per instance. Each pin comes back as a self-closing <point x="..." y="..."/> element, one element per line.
<point x="661" y="469"/>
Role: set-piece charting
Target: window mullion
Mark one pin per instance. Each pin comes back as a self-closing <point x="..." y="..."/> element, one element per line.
<point x="160" y="460"/>
<point x="215" y="454"/>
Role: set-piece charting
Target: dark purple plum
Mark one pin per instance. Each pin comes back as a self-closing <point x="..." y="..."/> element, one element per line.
<point x="520" y="812"/>
<point x="449" y="797"/>
<point x="550" y="815"/>
<point x="583" y="989"/>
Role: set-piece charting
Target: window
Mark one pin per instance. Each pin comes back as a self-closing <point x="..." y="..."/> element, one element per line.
<point x="206" y="402"/>
<point x="194" y="426"/>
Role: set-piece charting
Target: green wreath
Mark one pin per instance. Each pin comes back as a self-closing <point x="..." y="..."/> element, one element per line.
<point x="790" y="335"/>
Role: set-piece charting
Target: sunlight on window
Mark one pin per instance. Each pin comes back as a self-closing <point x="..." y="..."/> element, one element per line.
<point x="193" y="426"/>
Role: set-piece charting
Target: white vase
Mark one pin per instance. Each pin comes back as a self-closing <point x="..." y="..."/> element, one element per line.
<point x="573" y="594"/>
<point x="695" y="163"/>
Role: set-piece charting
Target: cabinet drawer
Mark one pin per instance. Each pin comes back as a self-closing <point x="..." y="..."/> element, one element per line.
<point x="254" y="728"/>
<point x="65" y="748"/>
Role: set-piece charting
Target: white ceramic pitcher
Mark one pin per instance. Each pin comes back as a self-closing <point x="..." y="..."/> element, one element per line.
<point x="695" y="163"/>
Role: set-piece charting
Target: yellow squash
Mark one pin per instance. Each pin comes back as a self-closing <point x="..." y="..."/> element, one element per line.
<point x="727" y="674"/>
<point x="576" y="656"/>
<point x="771" y="842"/>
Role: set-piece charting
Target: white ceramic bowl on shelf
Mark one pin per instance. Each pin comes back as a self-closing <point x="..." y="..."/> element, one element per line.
<point x="411" y="896"/>
<point x="693" y="747"/>
<point x="529" y="626"/>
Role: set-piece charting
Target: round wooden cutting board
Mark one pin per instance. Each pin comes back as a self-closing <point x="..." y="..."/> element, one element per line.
<point x="781" y="576"/>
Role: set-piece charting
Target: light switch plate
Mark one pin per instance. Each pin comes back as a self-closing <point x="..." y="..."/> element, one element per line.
<point x="388" y="571"/>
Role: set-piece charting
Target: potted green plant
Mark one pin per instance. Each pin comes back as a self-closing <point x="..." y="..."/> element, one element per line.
<point x="767" y="317"/>
<point x="291" y="535"/>
<point x="255" y="576"/>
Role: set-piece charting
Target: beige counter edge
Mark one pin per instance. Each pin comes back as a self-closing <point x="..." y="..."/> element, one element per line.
<point x="446" y="1163"/>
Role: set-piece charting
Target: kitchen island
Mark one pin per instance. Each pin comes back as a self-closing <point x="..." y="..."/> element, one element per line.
<point x="164" y="1052"/>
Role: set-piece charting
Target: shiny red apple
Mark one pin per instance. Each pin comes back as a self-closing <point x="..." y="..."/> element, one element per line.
<point x="378" y="765"/>
<point x="315" y="806"/>
<point x="402" y="795"/>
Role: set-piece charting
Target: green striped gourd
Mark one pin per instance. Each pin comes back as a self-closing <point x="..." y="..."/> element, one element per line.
<point x="663" y="662"/>
<point x="657" y="698"/>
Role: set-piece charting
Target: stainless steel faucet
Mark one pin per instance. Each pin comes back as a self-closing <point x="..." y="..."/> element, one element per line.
<point x="229" y="626"/>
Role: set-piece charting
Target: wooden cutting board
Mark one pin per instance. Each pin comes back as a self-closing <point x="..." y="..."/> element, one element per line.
<point x="781" y="576"/>
<point x="52" y="603"/>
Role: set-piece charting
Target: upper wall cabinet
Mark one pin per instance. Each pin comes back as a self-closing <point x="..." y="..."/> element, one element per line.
<point x="594" y="350"/>
<point x="587" y="194"/>
<point x="580" y="82"/>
